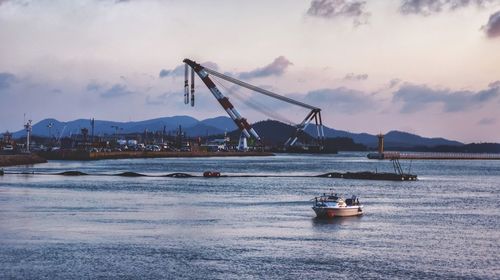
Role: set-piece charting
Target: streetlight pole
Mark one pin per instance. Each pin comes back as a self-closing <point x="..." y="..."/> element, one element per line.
<point x="116" y="131"/>
<point x="49" y="127"/>
<point x="92" y="123"/>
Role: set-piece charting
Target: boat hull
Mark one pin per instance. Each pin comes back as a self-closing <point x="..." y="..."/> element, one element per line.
<point x="331" y="212"/>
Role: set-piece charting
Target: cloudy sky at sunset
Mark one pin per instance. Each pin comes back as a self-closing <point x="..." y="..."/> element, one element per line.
<point x="430" y="67"/>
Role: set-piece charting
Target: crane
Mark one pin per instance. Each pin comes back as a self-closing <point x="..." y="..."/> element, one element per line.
<point x="246" y="129"/>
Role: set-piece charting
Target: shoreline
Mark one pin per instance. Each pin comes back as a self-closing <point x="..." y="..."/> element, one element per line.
<point x="82" y="155"/>
<point x="20" y="159"/>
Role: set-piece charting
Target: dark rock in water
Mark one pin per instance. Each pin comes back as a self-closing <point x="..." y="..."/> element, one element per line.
<point x="130" y="174"/>
<point x="179" y="175"/>
<point x="1" y="172"/>
<point x="72" y="173"/>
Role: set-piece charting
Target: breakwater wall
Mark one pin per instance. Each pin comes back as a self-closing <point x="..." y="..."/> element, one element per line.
<point x="435" y="156"/>
<point x="82" y="155"/>
<point x="20" y="159"/>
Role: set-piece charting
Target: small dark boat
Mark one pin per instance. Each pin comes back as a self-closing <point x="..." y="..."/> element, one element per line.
<point x="211" y="174"/>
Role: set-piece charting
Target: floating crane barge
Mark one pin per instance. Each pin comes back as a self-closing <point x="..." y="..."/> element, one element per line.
<point x="246" y="129"/>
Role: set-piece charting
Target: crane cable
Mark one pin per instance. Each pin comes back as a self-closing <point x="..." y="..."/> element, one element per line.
<point x="254" y="105"/>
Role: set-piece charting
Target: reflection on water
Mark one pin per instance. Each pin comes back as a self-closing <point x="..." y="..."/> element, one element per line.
<point x="341" y="221"/>
<point x="445" y="225"/>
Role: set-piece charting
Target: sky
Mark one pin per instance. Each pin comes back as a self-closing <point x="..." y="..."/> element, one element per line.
<point x="430" y="67"/>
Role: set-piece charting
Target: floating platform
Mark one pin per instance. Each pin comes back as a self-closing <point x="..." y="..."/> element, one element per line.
<point x="371" y="176"/>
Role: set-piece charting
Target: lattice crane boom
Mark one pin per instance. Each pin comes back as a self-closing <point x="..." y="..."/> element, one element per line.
<point x="245" y="127"/>
<point x="241" y="122"/>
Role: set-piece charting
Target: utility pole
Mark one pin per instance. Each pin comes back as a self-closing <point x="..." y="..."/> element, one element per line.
<point x="92" y="123"/>
<point x="85" y="133"/>
<point x="116" y="131"/>
<point x="163" y="134"/>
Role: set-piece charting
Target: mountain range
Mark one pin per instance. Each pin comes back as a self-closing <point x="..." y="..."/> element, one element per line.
<point x="190" y="125"/>
<point x="394" y="138"/>
<point x="217" y="126"/>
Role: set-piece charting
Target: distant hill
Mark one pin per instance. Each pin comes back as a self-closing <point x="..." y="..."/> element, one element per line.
<point x="202" y="129"/>
<point x="468" y="148"/>
<point x="272" y="131"/>
<point x="362" y="138"/>
<point x="221" y="123"/>
<point x="392" y="139"/>
<point x="189" y="124"/>
<point x="275" y="133"/>
<point x="404" y="140"/>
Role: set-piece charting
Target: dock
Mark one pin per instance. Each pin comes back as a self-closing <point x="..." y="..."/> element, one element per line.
<point x="381" y="154"/>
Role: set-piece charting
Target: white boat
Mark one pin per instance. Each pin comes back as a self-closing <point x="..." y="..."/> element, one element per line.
<point x="331" y="205"/>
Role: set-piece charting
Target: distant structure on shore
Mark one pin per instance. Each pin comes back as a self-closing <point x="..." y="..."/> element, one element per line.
<point x="380" y="143"/>
<point x="381" y="154"/>
<point x="380" y="148"/>
<point x="292" y="144"/>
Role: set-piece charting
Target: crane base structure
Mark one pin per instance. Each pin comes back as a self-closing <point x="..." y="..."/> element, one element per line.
<point x="246" y="129"/>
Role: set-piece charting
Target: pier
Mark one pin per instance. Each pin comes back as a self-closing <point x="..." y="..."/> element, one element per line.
<point x="434" y="156"/>
<point x="381" y="154"/>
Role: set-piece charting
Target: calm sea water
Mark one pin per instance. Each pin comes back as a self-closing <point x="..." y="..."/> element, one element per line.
<point x="446" y="225"/>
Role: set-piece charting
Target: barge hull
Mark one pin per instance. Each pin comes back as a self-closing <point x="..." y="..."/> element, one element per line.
<point x="371" y="176"/>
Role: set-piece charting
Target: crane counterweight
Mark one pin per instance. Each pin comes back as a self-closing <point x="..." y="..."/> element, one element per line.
<point x="192" y="87"/>
<point x="186" y="85"/>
